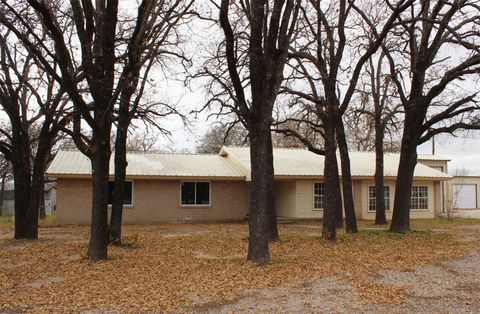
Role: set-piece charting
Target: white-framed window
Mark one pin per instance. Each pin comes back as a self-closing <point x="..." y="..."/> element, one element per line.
<point x="195" y="193"/>
<point x="372" y="201"/>
<point x="127" y="195"/>
<point x="318" y="195"/>
<point x="419" y="198"/>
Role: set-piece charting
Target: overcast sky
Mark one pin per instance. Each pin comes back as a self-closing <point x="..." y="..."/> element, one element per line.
<point x="463" y="152"/>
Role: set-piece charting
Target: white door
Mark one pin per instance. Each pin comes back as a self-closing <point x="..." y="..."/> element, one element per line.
<point x="464" y="196"/>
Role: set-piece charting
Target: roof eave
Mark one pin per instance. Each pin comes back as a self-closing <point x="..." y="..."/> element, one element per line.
<point x="150" y="177"/>
<point x="357" y="177"/>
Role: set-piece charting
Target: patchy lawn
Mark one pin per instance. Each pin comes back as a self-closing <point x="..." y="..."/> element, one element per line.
<point x="178" y="267"/>
<point x="5" y="219"/>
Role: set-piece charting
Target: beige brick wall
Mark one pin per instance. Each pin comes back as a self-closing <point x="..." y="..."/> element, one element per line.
<point x="153" y="202"/>
<point x="159" y="201"/>
<point x="74" y="201"/>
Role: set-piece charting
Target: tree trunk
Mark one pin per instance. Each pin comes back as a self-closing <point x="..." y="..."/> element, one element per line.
<point x="37" y="190"/>
<point x="120" y="159"/>
<point x="330" y="171"/>
<point x="380" y="217"/>
<point x="129" y="85"/>
<point x="36" y="193"/>
<point x="403" y="187"/>
<point x="272" y="231"/>
<point x="97" y="247"/>
<point x="350" y="218"/>
<point x="260" y="188"/>
<point x="34" y="203"/>
<point x="21" y="177"/>
<point x="338" y="194"/>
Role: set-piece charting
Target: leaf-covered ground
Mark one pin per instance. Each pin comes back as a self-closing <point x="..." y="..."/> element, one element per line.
<point x="180" y="267"/>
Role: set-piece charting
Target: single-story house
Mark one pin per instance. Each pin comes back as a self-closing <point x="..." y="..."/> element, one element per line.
<point x="183" y="187"/>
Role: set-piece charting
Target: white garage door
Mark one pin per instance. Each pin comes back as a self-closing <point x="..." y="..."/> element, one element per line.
<point x="465" y="195"/>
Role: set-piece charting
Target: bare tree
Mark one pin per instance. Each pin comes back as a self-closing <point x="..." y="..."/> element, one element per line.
<point x="34" y="121"/>
<point x="245" y="74"/>
<point x="154" y="38"/>
<point x="96" y="28"/>
<point x="94" y="79"/>
<point x="378" y="102"/>
<point x="321" y="55"/>
<point x="434" y="88"/>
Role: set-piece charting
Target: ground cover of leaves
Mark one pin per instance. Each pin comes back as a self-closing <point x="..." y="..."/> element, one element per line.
<point x="179" y="267"/>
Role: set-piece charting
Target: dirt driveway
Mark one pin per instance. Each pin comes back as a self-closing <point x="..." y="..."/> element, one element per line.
<point x="447" y="287"/>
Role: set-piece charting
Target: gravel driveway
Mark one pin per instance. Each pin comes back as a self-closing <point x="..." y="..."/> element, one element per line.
<point x="449" y="287"/>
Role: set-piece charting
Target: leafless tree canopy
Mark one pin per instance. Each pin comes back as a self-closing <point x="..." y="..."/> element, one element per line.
<point x="437" y="61"/>
<point x="101" y="58"/>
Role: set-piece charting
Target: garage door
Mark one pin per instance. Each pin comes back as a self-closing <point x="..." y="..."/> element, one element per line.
<point x="465" y="195"/>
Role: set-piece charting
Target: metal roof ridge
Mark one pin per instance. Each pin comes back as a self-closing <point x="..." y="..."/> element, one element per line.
<point x="146" y="153"/>
<point x="168" y="153"/>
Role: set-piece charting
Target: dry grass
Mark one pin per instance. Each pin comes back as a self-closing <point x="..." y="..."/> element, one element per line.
<point x="172" y="267"/>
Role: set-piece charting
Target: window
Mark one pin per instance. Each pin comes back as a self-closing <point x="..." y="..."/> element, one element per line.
<point x="195" y="193"/>
<point x="419" y="198"/>
<point x="127" y="195"/>
<point x="371" y="198"/>
<point x="318" y="194"/>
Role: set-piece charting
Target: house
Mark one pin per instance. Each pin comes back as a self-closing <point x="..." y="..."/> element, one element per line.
<point x="182" y="187"/>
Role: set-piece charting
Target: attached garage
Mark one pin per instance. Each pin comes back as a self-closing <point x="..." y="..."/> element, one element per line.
<point x="464" y="195"/>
